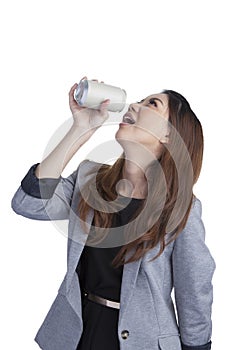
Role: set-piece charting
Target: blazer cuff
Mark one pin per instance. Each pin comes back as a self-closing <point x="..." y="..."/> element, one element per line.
<point x="39" y="188"/>
<point x="200" y="347"/>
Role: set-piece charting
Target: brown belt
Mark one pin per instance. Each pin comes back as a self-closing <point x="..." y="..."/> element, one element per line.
<point x="101" y="300"/>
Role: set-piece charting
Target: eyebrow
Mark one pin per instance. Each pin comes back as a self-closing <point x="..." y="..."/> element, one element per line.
<point x="154" y="98"/>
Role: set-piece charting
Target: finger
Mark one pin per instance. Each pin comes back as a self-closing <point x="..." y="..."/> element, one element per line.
<point x="71" y="92"/>
<point x="106" y="101"/>
<point x="83" y="78"/>
<point x="104" y="105"/>
<point x="72" y="101"/>
<point x="72" y="89"/>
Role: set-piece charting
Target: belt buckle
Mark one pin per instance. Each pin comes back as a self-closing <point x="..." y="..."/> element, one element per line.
<point x="102" y="301"/>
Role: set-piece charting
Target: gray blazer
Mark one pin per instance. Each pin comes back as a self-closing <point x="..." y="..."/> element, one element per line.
<point x="146" y="316"/>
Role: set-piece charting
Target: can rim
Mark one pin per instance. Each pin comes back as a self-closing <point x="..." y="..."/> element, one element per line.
<point x="81" y="92"/>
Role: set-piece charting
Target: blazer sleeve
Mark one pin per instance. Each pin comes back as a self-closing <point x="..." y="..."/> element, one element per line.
<point x="193" y="268"/>
<point x="44" y="199"/>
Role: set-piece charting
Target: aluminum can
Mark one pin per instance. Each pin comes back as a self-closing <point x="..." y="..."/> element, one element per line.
<point x="91" y="93"/>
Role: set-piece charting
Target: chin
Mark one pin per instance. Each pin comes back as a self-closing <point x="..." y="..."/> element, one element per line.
<point x="118" y="133"/>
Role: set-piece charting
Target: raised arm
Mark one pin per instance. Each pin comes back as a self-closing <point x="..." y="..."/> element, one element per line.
<point x="85" y="122"/>
<point x="44" y="194"/>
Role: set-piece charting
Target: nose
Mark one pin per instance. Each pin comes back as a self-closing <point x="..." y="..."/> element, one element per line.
<point x="134" y="107"/>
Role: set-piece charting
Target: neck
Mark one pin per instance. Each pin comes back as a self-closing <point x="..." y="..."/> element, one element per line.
<point x="134" y="182"/>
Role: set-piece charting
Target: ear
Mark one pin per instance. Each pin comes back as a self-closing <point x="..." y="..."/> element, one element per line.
<point x="164" y="139"/>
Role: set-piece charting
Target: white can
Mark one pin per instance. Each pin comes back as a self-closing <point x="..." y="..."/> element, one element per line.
<point x="90" y="94"/>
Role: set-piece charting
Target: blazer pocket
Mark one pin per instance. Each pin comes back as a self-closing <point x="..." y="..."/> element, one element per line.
<point x="61" y="328"/>
<point x="171" y="342"/>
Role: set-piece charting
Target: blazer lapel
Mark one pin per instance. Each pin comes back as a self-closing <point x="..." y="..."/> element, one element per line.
<point x="76" y="235"/>
<point x="129" y="277"/>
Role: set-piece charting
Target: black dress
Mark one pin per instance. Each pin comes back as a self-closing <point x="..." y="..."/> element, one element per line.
<point x="99" y="277"/>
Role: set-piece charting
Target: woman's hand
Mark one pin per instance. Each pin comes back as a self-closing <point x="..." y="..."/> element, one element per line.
<point x="86" y="118"/>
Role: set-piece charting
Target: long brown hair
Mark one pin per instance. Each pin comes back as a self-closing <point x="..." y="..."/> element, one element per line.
<point x="178" y="169"/>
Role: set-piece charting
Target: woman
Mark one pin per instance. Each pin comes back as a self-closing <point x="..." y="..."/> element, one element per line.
<point x="135" y="232"/>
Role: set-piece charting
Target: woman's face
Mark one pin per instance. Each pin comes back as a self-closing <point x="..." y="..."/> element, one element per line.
<point x="150" y="127"/>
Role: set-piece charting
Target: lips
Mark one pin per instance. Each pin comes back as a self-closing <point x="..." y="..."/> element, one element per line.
<point x="128" y="118"/>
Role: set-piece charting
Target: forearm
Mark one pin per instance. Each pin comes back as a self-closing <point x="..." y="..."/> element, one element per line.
<point x="53" y="165"/>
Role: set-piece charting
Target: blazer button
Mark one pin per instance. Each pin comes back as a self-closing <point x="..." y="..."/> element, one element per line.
<point x="124" y="334"/>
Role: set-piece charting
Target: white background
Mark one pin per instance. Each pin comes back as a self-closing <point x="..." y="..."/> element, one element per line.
<point x="143" y="47"/>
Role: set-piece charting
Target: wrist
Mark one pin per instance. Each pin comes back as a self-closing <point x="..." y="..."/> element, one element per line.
<point x="81" y="132"/>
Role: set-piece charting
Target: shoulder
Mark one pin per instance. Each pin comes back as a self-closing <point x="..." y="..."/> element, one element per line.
<point x="88" y="164"/>
<point x="194" y="230"/>
<point x="87" y="169"/>
<point x="194" y="220"/>
<point x="190" y="247"/>
<point x="196" y="208"/>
